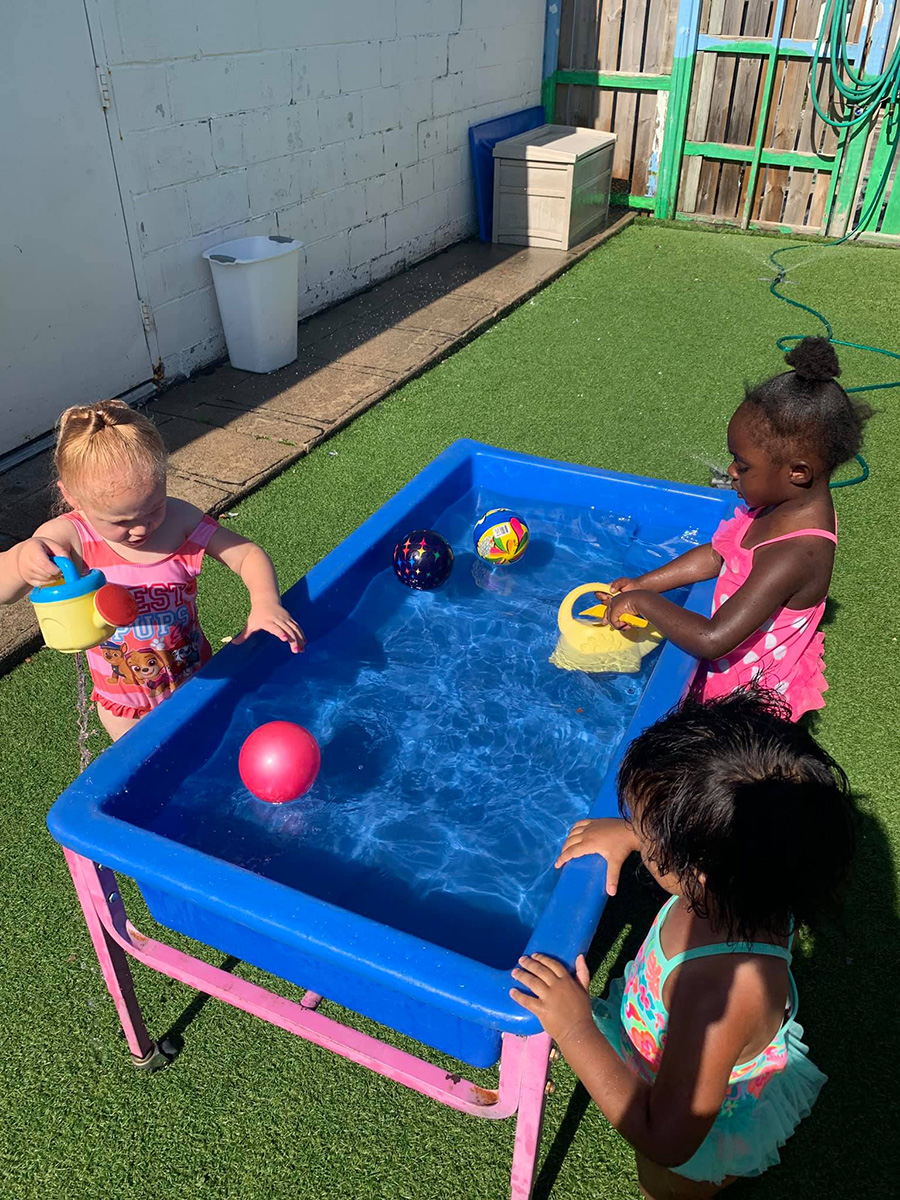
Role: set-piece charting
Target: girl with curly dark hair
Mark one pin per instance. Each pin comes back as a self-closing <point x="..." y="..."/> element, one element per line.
<point x="696" y="1057"/>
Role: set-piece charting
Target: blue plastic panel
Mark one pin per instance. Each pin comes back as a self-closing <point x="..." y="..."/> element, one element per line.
<point x="444" y="998"/>
<point x="482" y="140"/>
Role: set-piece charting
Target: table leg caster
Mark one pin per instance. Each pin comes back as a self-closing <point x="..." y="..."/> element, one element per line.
<point x="159" y="1057"/>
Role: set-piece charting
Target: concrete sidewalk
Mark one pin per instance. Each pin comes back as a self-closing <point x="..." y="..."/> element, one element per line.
<point x="230" y="431"/>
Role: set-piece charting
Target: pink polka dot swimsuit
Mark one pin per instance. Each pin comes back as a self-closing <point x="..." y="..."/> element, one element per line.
<point x="785" y="654"/>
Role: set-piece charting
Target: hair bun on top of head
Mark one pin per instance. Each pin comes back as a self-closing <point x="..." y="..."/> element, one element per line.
<point x="814" y="358"/>
<point x="95" y="417"/>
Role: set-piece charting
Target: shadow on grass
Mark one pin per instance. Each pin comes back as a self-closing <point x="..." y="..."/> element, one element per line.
<point x="174" y="1035"/>
<point x="848" y="983"/>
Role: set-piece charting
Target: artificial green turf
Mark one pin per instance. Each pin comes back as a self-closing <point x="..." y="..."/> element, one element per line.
<point x="634" y="361"/>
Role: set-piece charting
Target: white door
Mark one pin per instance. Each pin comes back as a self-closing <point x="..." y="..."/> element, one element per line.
<point x="70" y="319"/>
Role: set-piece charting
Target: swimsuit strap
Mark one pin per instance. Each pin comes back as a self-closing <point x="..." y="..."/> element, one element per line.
<point x="86" y="534"/>
<point x="764" y="948"/>
<point x="767" y="949"/>
<point x="832" y="537"/>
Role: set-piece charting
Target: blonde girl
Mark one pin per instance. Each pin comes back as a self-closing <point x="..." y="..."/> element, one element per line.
<point x="111" y="464"/>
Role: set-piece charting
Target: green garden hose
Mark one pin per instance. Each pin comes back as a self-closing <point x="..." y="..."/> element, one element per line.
<point x="858" y="100"/>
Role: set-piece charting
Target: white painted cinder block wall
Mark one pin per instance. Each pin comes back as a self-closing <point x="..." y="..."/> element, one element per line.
<point x="343" y="123"/>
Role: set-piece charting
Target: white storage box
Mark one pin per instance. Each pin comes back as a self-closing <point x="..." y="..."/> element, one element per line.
<point x="256" y="282"/>
<point x="551" y="186"/>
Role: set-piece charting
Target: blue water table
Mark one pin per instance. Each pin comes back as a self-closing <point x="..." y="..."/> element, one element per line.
<point x="405" y="884"/>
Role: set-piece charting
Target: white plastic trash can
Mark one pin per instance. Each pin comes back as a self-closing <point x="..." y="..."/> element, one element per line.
<point x="256" y="287"/>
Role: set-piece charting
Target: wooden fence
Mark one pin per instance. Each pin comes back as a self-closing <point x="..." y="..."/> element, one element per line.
<point x="710" y="102"/>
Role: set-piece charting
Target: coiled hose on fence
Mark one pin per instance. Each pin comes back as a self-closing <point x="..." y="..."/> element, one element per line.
<point x="858" y="97"/>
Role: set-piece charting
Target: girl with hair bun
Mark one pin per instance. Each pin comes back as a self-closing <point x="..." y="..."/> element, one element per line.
<point x="775" y="556"/>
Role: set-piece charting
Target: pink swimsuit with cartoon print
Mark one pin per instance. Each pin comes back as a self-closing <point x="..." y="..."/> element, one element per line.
<point x="142" y="665"/>
<point x="785" y="654"/>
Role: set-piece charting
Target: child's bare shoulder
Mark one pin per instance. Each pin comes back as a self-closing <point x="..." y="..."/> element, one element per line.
<point x="62" y="531"/>
<point x="185" y="517"/>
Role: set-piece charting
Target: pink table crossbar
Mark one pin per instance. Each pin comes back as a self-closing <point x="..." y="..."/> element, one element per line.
<point x="524" y="1061"/>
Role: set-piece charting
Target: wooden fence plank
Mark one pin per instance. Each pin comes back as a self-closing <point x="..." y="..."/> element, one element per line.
<point x="785" y="113"/>
<point x="816" y="218"/>
<point x="742" y="118"/>
<point x="566" y="33"/>
<point x="773" y="185"/>
<point x="698" y="116"/>
<point x="723" y="84"/>
<point x="648" y="108"/>
<point x="598" y="103"/>
<point x="626" y="102"/>
<point x="609" y="29"/>
<point x="585" y="52"/>
<point x="584" y="106"/>
<point x="564" y="59"/>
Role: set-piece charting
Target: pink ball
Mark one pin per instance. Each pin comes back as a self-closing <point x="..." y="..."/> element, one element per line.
<point x="279" y="761"/>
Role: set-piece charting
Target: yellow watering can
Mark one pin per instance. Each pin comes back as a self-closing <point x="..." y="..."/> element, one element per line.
<point x="83" y="610"/>
<point x="586" y="645"/>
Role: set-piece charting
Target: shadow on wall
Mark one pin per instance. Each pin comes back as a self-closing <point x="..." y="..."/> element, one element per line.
<point x="229" y="431"/>
<point x="354" y="353"/>
<point x="391" y="331"/>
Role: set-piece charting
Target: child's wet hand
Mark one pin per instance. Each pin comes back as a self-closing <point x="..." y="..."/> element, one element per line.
<point x="623" y="584"/>
<point x="610" y="837"/>
<point x="619" y="605"/>
<point x="35" y="561"/>
<point x="560" y="1001"/>
<point x="274" y="619"/>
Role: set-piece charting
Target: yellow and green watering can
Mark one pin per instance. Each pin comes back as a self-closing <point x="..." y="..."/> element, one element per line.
<point x="83" y="610"/>
<point x="586" y="645"/>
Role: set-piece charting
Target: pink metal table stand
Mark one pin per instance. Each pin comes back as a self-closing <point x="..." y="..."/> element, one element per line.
<point x="524" y="1061"/>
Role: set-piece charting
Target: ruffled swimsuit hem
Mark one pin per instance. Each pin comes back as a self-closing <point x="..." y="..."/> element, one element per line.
<point x="749" y="1132"/>
<point x="118" y="710"/>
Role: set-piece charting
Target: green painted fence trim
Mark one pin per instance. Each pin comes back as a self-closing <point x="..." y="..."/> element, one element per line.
<point x="768" y="158"/>
<point x="675" y="131"/>
<point x="844" y="199"/>
<point x="732" y="223"/>
<point x="852" y="149"/>
<point x="670" y="159"/>
<point x="627" y="81"/>
<point x="836" y="176"/>
<point x="548" y="98"/>
<point x="674" y="137"/>
<point x="887" y="136"/>
<point x="890" y="131"/>
<point x="796" y="158"/>
<point x="752" y="46"/>
<point x="718" y="150"/>
<point x="623" y="200"/>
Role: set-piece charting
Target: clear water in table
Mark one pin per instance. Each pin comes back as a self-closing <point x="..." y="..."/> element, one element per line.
<point x="455" y="757"/>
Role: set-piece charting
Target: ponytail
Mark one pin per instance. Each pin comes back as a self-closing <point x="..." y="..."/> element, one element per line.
<point x="101" y="444"/>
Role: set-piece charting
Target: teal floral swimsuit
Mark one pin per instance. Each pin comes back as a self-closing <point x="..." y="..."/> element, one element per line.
<point x="767" y="1097"/>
